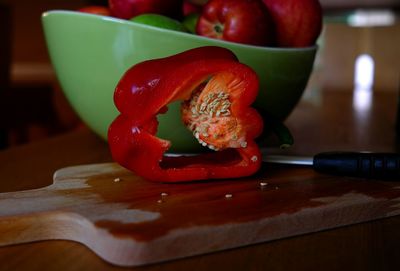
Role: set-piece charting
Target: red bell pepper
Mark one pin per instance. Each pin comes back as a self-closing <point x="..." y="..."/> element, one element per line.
<point x="216" y="91"/>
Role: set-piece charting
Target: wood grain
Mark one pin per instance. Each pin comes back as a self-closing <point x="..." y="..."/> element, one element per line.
<point x="324" y="122"/>
<point x="129" y="221"/>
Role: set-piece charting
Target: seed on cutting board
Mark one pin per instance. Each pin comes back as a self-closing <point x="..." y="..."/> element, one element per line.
<point x="228" y="196"/>
<point x="116" y="180"/>
<point x="160" y="201"/>
<point x="263" y="184"/>
<point x="163" y="194"/>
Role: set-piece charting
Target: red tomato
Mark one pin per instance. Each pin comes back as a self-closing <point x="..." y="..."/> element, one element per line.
<point x="99" y="10"/>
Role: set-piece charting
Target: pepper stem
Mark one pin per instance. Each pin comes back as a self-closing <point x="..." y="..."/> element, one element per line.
<point x="273" y="126"/>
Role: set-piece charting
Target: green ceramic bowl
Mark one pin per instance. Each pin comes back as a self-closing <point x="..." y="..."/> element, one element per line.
<point x="90" y="53"/>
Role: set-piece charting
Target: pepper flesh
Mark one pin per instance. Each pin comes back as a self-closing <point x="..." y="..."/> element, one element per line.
<point x="148" y="87"/>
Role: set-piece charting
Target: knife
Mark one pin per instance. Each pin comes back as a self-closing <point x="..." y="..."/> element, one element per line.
<point x="371" y="165"/>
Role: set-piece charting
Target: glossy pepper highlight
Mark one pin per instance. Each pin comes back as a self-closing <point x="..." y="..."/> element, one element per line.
<point x="216" y="92"/>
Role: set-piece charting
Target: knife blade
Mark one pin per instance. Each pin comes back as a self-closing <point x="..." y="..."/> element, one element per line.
<point x="371" y="165"/>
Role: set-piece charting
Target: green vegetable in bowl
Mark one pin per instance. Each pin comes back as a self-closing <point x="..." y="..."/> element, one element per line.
<point x="190" y="22"/>
<point x="160" y="21"/>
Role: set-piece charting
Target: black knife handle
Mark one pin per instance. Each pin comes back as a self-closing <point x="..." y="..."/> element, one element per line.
<point x="359" y="164"/>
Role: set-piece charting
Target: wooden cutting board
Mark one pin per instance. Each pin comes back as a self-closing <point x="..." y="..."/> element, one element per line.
<point x="128" y="221"/>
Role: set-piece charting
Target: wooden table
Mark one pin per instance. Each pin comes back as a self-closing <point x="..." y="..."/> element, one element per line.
<point x="329" y="120"/>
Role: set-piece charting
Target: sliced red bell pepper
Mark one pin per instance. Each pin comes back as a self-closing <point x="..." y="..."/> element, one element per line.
<point x="216" y="91"/>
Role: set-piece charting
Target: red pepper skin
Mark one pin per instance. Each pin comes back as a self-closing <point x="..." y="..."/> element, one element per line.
<point x="148" y="87"/>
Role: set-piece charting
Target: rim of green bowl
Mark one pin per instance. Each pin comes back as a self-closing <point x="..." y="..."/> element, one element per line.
<point x="177" y="33"/>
